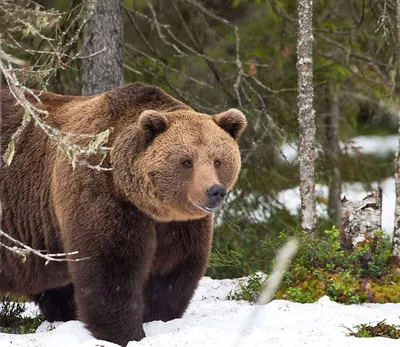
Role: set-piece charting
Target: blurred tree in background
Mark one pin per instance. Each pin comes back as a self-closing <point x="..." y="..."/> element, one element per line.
<point x="242" y="53"/>
<point x="103" y="40"/>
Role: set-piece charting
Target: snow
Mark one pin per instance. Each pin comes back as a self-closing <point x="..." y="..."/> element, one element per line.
<point x="290" y="198"/>
<point x="373" y="145"/>
<point x="376" y="145"/>
<point x="211" y="320"/>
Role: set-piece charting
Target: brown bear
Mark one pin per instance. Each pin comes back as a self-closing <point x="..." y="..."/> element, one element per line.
<point x="145" y="227"/>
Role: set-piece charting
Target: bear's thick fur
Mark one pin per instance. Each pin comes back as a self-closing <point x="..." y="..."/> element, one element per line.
<point x="145" y="226"/>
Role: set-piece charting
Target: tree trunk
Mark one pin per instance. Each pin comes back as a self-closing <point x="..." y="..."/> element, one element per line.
<point x="306" y="115"/>
<point x="360" y="219"/>
<point x="104" y="31"/>
<point x="396" y="232"/>
<point x="332" y="156"/>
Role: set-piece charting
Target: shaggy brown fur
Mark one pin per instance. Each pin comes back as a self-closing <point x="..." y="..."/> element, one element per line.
<point x="146" y="226"/>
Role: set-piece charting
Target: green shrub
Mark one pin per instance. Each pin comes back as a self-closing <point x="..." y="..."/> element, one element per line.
<point x="248" y="290"/>
<point x="321" y="267"/>
<point x="11" y="319"/>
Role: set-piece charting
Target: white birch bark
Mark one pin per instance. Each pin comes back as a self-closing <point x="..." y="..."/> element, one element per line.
<point x="396" y="232"/>
<point x="306" y="115"/>
<point x="360" y="219"/>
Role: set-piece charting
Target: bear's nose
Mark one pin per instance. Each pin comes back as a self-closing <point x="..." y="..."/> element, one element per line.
<point x="216" y="194"/>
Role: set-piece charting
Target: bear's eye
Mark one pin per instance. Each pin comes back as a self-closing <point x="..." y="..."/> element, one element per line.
<point x="217" y="164"/>
<point x="188" y="164"/>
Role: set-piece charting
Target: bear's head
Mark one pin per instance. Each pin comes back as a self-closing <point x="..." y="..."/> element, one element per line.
<point x="179" y="165"/>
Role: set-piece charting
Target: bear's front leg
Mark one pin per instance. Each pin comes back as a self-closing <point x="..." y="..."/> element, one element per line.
<point x="119" y="242"/>
<point x="181" y="259"/>
<point x="109" y="285"/>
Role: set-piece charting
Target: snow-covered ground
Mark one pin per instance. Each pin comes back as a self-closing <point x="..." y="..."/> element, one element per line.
<point x="213" y="321"/>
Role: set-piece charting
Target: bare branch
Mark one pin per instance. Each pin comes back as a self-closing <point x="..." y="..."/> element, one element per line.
<point x="46" y="66"/>
<point x="240" y="89"/>
<point x="23" y="250"/>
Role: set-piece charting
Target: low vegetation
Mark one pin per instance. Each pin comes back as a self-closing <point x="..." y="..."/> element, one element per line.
<point x="12" y="319"/>
<point x="380" y="329"/>
<point x="323" y="267"/>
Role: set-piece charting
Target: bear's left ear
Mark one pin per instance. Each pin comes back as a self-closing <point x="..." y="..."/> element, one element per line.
<point x="232" y="121"/>
<point x="152" y="123"/>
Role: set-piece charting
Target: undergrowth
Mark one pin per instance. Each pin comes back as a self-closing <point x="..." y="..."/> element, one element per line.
<point x="323" y="267"/>
<point x="249" y="289"/>
<point x="12" y="319"/>
<point x="381" y="329"/>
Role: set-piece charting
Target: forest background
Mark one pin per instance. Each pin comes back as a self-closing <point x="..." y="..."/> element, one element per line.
<point x="214" y="55"/>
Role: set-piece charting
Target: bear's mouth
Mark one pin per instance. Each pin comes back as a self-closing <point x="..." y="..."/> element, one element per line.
<point x="206" y="209"/>
<point x="209" y="209"/>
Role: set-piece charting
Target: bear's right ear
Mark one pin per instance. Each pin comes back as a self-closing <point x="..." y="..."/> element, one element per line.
<point x="152" y="124"/>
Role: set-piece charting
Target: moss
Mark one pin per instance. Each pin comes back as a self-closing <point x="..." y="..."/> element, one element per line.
<point x="386" y="290"/>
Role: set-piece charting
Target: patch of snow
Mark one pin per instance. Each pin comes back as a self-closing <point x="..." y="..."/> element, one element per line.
<point x="31" y="310"/>
<point x="213" y="321"/>
<point x="290" y="198"/>
<point x="47" y="326"/>
<point x="378" y="145"/>
<point x="289" y="152"/>
<point x="371" y="144"/>
<point x="326" y="301"/>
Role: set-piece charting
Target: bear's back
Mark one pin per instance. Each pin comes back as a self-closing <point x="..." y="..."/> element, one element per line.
<point x="25" y="185"/>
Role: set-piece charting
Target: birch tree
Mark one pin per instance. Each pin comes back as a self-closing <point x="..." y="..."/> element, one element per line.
<point x="306" y="115"/>
<point x="103" y="33"/>
<point x="396" y="232"/>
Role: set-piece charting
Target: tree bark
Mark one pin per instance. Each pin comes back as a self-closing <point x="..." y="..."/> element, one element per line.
<point x="332" y="156"/>
<point x="103" y="71"/>
<point x="306" y="116"/>
<point x="396" y="232"/>
<point x="360" y="219"/>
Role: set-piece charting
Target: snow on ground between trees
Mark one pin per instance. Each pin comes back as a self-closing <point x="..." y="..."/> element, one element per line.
<point x="290" y="198"/>
<point x="211" y="321"/>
